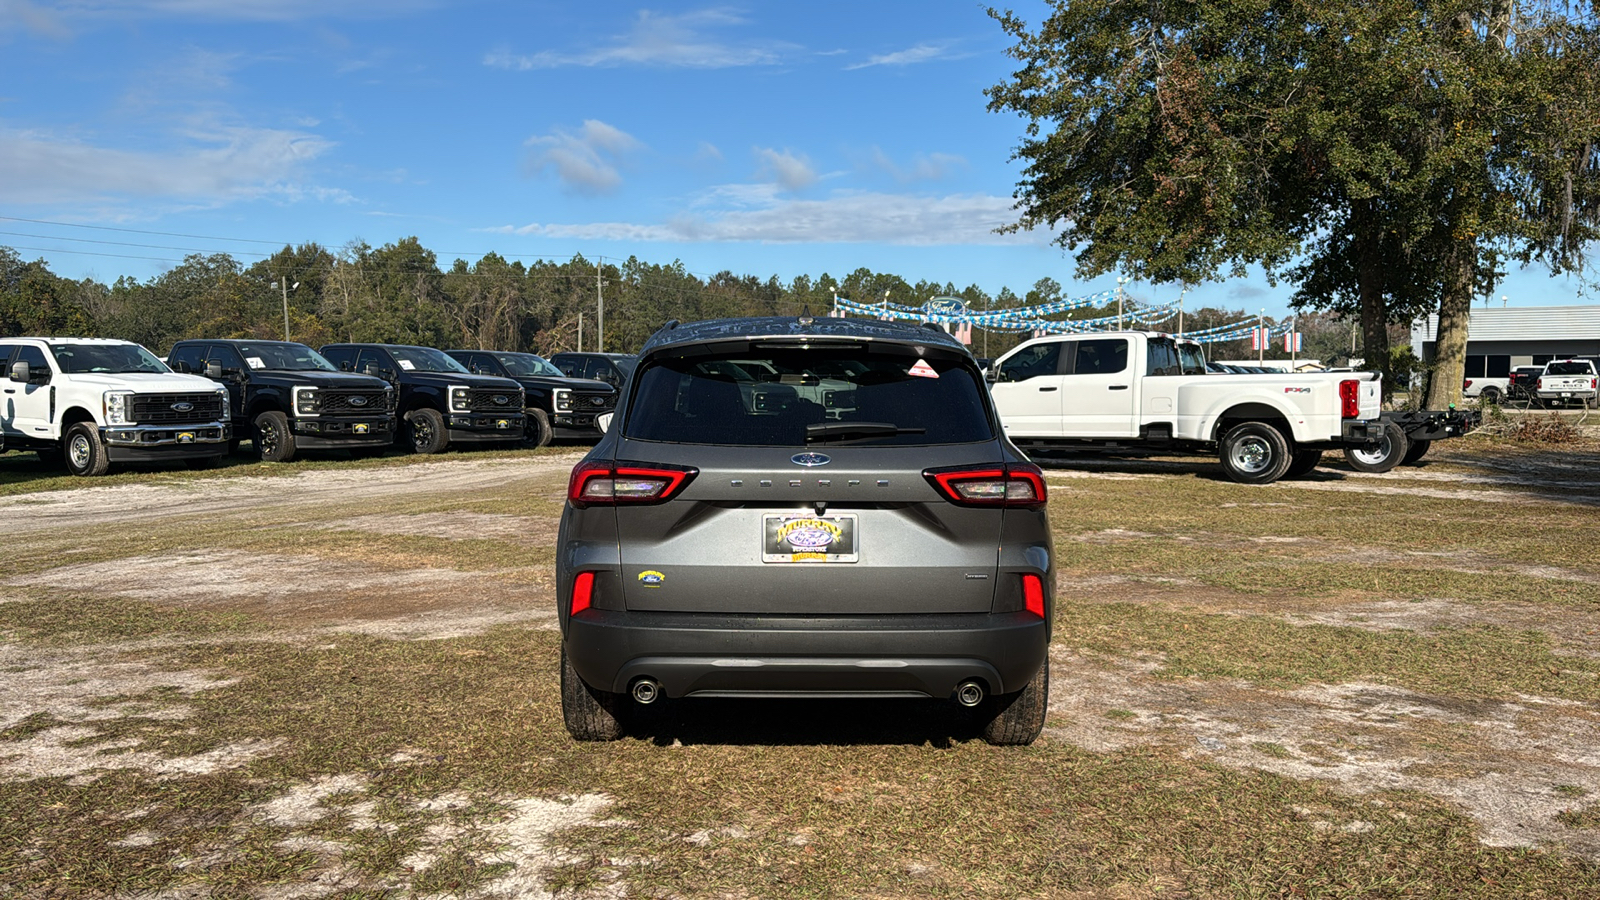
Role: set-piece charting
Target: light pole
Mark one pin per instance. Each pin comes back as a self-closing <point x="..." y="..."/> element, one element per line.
<point x="1121" y="280"/>
<point x="286" y="287"/>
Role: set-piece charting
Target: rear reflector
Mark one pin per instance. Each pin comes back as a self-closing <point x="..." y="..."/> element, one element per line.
<point x="1033" y="594"/>
<point x="602" y="484"/>
<point x="1350" y="399"/>
<point x="582" y="591"/>
<point x="1018" y="485"/>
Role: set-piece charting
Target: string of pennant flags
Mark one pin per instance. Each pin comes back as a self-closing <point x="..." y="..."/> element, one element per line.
<point x="953" y="312"/>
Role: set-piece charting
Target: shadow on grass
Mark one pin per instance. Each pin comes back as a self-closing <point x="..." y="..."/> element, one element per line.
<point x="808" y="723"/>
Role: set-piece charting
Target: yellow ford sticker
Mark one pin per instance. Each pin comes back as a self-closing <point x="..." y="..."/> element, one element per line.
<point x="650" y="578"/>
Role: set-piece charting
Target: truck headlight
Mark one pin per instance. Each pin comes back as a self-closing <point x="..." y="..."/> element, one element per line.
<point x="562" y="399"/>
<point x="388" y="399"/>
<point x="460" y="399"/>
<point x="307" y="402"/>
<point x="222" y="404"/>
<point x="119" y="407"/>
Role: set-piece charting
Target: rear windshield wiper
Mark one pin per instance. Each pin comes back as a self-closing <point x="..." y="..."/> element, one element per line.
<point x="825" y="432"/>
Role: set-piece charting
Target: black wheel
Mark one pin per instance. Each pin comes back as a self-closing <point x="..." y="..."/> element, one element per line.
<point x="590" y="714"/>
<point x="83" y="452"/>
<point x="1254" y="453"/>
<point x="1382" y="456"/>
<point x="425" y="431"/>
<point x="1416" y="451"/>
<point x="1304" y="461"/>
<point x="274" y="439"/>
<point x="1490" y="397"/>
<point x="1015" y="720"/>
<point x="538" y="432"/>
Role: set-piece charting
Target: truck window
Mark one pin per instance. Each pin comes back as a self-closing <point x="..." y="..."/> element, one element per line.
<point x="34" y="357"/>
<point x="343" y="358"/>
<point x="226" y="357"/>
<point x="371" y="356"/>
<point x="1030" y="362"/>
<point x="1555" y="368"/>
<point x="187" y="358"/>
<point x="1162" y="358"/>
<point x="1103" y="356"/>
<point x="1192" y="358"/>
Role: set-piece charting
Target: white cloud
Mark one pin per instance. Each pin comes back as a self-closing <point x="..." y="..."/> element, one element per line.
<point x="585" y="160"/>
<point x="846" y="218"/>
<point x="666" y="41"/>
<point x="923" y="167"/>
<point x="33" y="18"/>
<point x="708" y="151"/>
<point x="216" y="166"/>
<point x="792" y="172"/>
<point x="921" y="53"/>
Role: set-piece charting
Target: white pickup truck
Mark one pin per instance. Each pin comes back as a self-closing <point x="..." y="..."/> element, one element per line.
<point x="1567" y="381"/>
<point x="91" y="402"/>
<point x="1142" y="390"/>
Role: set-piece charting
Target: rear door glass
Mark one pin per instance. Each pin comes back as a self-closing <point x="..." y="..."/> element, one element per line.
<point x="810" y="397"/>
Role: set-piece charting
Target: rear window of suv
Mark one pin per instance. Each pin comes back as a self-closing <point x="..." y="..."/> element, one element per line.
<point x="792" y="397"/>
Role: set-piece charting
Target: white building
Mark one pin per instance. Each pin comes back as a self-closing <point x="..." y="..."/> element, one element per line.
<point x="1501" y="339"/>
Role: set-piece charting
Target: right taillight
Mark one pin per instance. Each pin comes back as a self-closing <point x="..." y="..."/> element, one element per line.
<point x="1033" y="594"/>
<point x="1350" y="398"/>
<point x="1466" y="384"/>
<point x="604" y="484"/>
<point x="582" y="592"/>
<point x="1019" y="485"/>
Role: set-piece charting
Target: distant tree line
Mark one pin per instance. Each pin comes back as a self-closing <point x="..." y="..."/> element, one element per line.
<point x="398" y="293"/>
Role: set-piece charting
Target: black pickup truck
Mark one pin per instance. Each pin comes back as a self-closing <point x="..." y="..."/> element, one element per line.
<point x="557" y="406"/>
<point x="286" y="397"/>
<point x="441" y="403"/>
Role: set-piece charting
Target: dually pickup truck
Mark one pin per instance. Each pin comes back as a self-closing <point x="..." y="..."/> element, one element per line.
<point x="1566" y="381"/>
<point x="1141" y="390"/>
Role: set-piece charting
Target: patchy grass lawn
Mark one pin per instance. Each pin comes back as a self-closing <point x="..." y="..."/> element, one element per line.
<point x="1278" y="691"/>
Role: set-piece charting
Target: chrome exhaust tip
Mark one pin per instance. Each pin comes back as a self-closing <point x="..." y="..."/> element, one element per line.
<point x="646" y="691"/>
<point x="969" y="693"/>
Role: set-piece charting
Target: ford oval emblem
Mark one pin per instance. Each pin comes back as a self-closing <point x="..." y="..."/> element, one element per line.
<point x="358" y="400"/>
<point x="810" y="459"/>
<point x="501" y="399"/>
<point x="182" y="407"/>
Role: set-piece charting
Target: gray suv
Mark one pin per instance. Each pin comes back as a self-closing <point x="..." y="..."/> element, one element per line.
<point x="805" y="508"/>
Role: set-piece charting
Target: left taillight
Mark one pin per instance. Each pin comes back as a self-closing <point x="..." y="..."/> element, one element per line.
<point x="1350" y="399"/>
<point x="1019" y="485"/>
<point x="582" y="592"/>
<point x="1033" y="594"/>
<point x="605" y="484"/>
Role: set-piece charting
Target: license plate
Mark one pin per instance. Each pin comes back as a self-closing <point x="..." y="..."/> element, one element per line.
<point x="502" y="423"/>
<point x="361" y="428"/>
<point x="185" y="437"/>
<point x="798" y="537"/>
<point x="1566" y="393"/>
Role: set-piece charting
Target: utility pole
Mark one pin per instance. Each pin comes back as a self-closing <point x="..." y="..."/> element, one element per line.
<point x="283" y="284"/>
<point x="1261" y="345"/>
<point x="1120" y="282"/>
<point x="580" y="331"/>
<point x="600" y="314"/>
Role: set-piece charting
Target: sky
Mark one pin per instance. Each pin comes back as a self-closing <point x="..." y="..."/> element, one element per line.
<point x="766" y="138"/>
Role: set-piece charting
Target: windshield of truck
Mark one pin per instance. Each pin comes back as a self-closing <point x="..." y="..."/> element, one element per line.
<point x="108" y="358"/>
<point x="1569" y="368"/>
<point x="283" y="356"/>
<point x="526" y="365"/>
<point x="425" y="359"/>
<point x="794" y="397"/>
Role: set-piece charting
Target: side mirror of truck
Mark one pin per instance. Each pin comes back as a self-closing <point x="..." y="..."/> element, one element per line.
<point x="214" y="370"/>
<point x="991" y="375"/>
<point x="19" y="372"/>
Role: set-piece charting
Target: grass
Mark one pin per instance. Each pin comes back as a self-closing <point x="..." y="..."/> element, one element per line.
<point x="438" y="740"/>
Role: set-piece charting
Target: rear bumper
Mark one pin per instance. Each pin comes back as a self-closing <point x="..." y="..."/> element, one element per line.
<point x="837" y="656"/>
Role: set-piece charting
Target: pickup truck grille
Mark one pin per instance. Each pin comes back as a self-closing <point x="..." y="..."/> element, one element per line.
<point x="336" y="402"/>
<point x="176" y="409"/>
<point x="587" y="402"/>
<point x="484" y="401"/>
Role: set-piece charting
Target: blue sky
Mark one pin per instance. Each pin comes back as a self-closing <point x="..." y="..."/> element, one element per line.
<point x="767" y="139"/>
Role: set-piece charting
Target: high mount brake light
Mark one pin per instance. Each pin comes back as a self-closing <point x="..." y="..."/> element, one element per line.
<point x="1019" y="485"/>
<point x="603" y="484"/>
<point x="1350" y="399"/>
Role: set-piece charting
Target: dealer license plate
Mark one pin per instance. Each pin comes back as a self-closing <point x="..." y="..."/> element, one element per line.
<point x="185" y="437"/>
<point x="793" y="537"/>
<point x="361" y="428"/>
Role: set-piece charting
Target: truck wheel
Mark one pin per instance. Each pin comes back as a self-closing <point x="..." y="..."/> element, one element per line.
<point x="538" y="432"/>
<point x="1490" y="397"/>
<point x="1304" y="461"/>
<point x="274" y="439"/>
<point x="84" y="453"/>
<point x="590" y="714"/>
<point x="1382" y="456"/>
<point x="425" y="428"/>
<point x="1015" y="720"/>
<point x="1254" y="453"/>
<point x="1416" y="451"/>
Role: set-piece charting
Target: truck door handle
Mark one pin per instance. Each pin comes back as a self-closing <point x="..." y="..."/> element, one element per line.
<point x="1041" y="389"/>
<point x="1117" y="387"/>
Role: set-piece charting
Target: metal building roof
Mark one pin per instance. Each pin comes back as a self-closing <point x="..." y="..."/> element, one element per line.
<point x="1526" y="323"/>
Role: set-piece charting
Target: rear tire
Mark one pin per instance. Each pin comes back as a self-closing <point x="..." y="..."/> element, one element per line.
<point x="1254" y="453"/>
<point x="83" y="451"/>
<point x="1015" y="720"/>
<point x="1415" y="452"/>
<point x="425" y="431"/>
<point x="590" y="714"/>
<point x="274" y="438"/>
<point x="1302" y="464"/>
<point x="1490" y="396"/>
<point x="1387" y="454"/>
<point x="538" y="431"/>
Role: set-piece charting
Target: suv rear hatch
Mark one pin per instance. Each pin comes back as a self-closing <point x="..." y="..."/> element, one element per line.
<point x="808" y="495"/>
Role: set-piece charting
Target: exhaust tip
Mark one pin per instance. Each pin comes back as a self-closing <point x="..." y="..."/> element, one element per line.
<point x="969" y="693"/>
<point x="646" y="691"/>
